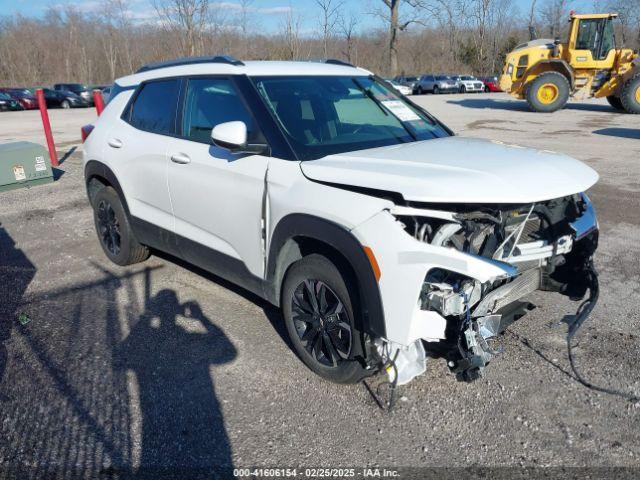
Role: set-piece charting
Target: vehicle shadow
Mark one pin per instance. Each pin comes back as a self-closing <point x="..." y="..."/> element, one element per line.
<point x="619" y="132"/>
<point x="521" y="106"/>
<point x="16" y="273"/>
<point x="170" y="352"/>
<point x="109" y="378"/>
<point x="272" y="313"/>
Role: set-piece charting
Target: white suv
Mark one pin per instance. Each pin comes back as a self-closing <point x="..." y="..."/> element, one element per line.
<point x="382" y="236"/>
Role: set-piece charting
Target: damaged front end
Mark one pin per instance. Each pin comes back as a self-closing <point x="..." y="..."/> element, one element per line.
<point x="541" y="246"/>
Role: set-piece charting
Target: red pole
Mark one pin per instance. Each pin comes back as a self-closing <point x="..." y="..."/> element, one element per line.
<point x="98" y="101"/>
<point x="42" y="104"/>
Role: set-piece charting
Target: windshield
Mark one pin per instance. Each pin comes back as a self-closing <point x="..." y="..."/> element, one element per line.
<point x="443" y="77"/>
<point x="325" y="115"/>
<point x="467" y="77"/>
<point x="4" y="96"/>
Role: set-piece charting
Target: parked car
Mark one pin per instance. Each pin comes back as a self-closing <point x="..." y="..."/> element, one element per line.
<point x="491" y="84"/>
<point x="436" y="84"/>
<point x="79" y="89"/>
<point x="403" y="89"/>
<point x="63" y="99"/>
<point x="407" y="80"/>
<point x="468" y="83"/>
<point x="9" y="103"/>
<point x="381" y="235"/>
<point x="23" y="96"/>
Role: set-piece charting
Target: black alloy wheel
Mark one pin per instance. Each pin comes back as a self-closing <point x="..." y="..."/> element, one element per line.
<point x="109" y="228"/>
<point x="321" y="322"/>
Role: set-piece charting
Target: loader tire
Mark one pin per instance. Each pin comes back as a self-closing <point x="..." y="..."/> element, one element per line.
<point x="615" y="102"/>
<point x="548" y="92"/>
<point x="630" y="96"/>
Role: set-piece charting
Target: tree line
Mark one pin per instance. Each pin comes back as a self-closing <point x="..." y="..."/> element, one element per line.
<point x="409" y="37"/>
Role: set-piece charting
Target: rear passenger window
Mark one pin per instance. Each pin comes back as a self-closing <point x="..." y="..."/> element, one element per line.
<point x="211" y="101"/>
<point x="154" y="109"/>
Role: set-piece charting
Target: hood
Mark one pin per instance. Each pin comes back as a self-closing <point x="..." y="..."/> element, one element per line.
<point x="457" y="170"/>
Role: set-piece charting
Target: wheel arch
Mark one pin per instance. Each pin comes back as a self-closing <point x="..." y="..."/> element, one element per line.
<point x="553" y="65"/>
<point x="298" y="235"/>
<point x="98" y="175"/>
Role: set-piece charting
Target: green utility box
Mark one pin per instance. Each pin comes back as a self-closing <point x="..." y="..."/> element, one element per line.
<point x="23" y="164"/>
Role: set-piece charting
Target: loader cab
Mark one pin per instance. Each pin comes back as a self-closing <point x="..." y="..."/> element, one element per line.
<point x="592" y="41"/>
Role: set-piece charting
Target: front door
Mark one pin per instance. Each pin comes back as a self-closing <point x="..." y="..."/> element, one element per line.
<point x="218" y="197"/>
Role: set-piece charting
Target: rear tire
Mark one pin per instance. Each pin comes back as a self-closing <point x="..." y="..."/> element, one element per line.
<point x="318" y="312"/>
<point x="114" y="231"/>
<point x="615" y="102"/>
<point x="547" y="93"/>
<point x="630" y="96"/>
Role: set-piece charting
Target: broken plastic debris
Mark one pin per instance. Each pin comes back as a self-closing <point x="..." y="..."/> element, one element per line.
<point x="24" y="319"/>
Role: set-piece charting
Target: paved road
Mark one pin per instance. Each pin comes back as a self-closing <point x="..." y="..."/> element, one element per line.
<point x="160" y="366"/>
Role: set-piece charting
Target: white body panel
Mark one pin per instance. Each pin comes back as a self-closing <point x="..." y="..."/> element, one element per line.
<point x="458" y="170"/>
<point x="217" y="199"/>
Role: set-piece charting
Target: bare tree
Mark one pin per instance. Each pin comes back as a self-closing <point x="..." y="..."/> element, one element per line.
<point x="629" y="18"/>
<point x="245" y="17"/>
<point x="532" y="18"/>
<point x="552" y="12"/>
<point x="391" y="16"/>
<point x="186" y="18"/>
<point x="329" y="18"/>
<point x="348" y="27"/>
<point x="291" y="33"/>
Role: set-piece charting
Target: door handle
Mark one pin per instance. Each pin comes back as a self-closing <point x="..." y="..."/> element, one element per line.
<point x="115" y="143"/>
<point x="180" y="158"/>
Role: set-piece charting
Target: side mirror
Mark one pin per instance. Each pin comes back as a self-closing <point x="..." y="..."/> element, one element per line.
<point x="232" y="136"/>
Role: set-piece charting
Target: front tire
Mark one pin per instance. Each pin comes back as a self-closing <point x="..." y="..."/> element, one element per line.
<point x="463" y="89"/>
<point x="114" y="231"/>
<point x="318" y="309"/>
<point x="65" y="104"/>
<point x="547" y="93"/>
<point x="630" y="96"/>
<point x="436" y="90"/>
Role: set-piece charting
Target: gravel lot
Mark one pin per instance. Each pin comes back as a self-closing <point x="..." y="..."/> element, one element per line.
<point x="162" y="367"/>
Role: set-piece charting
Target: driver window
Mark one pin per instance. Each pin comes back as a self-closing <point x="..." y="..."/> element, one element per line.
<point x="209" y="102"/>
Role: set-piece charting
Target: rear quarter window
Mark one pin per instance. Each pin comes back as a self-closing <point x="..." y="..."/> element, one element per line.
<point x="154" y="107"/>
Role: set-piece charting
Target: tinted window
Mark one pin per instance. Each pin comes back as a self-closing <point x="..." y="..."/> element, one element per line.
<point x="209" y="102"/>
<point x="154" y="109"/>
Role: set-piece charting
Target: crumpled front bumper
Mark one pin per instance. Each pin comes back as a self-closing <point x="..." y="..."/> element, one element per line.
<point x="404" y="263"/>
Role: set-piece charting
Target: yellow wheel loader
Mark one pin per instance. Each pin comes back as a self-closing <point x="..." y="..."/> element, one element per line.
<point x="546" y="73"/>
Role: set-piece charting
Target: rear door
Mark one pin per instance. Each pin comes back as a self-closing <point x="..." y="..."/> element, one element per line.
<point x="218" y="197"/>
<point x="137" y="150"/>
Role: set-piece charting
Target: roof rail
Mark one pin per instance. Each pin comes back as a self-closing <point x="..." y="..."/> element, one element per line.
<point x="191" y="61"/>
<point x="334" y="61"/>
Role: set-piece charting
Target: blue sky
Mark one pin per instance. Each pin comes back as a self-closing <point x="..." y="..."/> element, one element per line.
<point x="268" y="13"/>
